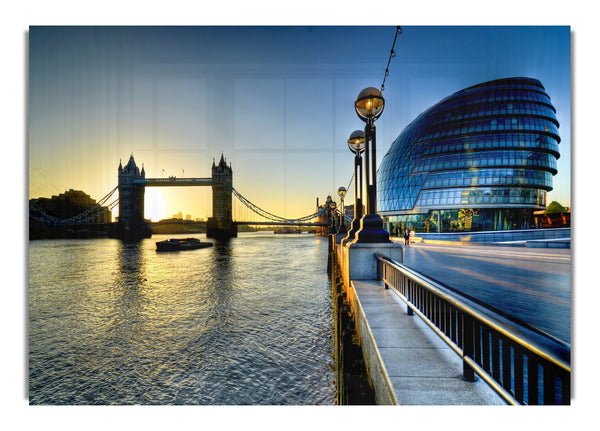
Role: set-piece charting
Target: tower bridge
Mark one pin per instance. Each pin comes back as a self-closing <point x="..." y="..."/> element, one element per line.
<point x="132" y="184"/>
<point x="131" y="225"/>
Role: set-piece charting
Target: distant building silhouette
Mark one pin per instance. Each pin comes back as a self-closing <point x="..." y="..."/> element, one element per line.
<point x="71" y="203"/>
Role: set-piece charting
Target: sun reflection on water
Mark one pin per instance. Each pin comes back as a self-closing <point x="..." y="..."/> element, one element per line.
<point x="243" y="322"/>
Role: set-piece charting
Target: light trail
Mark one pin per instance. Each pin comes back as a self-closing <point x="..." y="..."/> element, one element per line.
<point x="531" y="284"/>
<point x="497" y="251"/>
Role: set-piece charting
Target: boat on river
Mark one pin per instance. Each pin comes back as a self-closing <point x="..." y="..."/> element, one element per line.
<point x="178" y="244"/>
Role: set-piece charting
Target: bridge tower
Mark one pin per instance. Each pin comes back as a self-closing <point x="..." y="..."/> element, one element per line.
<point x="131" y="226"/>
<point x="221" y="225"/>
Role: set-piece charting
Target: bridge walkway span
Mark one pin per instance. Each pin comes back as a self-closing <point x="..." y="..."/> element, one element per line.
<point x="173" y="181"/>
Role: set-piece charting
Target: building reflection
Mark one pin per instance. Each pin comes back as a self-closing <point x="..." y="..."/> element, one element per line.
<point x="220" y="275"/>
<point x="130" y="285"/>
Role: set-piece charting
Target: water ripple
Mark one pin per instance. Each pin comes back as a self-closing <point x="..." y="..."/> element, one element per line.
<point x="248" y="322"/>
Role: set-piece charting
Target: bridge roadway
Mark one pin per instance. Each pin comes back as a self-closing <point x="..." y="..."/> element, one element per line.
<point x="174" y="181"/>
<point x="533" y="285"/>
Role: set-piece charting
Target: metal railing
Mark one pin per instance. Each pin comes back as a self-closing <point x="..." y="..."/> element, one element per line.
<point x="522" y="364"/>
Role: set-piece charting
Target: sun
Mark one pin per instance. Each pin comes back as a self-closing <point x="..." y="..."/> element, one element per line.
<point x="154" y="205"/>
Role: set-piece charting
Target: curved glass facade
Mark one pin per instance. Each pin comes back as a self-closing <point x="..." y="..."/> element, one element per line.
<point x="480" y="159"/>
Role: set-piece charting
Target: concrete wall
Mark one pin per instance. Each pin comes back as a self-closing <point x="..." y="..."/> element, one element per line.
<point x="357" y="262"/>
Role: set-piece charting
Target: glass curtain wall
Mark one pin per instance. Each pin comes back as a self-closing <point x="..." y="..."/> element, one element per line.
<point x="481" y="159"/>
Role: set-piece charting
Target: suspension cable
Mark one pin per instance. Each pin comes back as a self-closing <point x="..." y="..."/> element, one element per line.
<point x="39" y="214"/>
<point x="94" y="211"/>
<point x="89" y="212"/>
<point x="350" y="183"/>
<point x="269" y="216"/>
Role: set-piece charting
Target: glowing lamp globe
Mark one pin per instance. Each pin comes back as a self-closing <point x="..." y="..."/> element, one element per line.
<point x="356" y="141"/>
<point x="369" y="104"/>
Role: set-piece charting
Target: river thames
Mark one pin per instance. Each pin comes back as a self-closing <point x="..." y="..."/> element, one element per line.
<point x="248" y="321"/>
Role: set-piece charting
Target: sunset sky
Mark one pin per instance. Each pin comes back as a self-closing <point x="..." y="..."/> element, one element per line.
<point x="278" y="102"/>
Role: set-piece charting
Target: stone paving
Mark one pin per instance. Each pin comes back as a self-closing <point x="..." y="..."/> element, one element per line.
<point x="408" y="363"/>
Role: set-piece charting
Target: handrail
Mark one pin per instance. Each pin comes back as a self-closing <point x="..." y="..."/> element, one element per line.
<point x="521" y="364"/>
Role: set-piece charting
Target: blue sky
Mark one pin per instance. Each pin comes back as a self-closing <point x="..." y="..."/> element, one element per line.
<point x="277" y="101"/>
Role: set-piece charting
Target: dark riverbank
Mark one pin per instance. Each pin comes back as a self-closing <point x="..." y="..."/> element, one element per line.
<point x="353" y="384"/>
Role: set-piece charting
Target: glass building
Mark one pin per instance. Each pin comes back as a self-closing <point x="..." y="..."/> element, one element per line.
<point x="481" y="159"/>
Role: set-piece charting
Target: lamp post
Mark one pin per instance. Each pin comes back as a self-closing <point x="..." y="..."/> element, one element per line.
<point x="356" y="144"/>
<point x="341" y="193"/>
<point x="331" y="208"/>
<point x="369" y="106"/>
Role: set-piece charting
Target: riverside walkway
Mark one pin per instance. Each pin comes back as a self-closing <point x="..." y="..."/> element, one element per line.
<point x="411" y="364"/>
<point x="408" y="363"/>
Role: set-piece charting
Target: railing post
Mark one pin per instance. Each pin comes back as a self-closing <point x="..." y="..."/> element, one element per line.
<point x="532" y="381"/>
<point x="468" y="346"/>
<point x="409" y="311"/>
<point x="381" y="271"/>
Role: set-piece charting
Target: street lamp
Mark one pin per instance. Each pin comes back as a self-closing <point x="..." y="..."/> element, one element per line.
<point x="341" y="193"/>
<point x="369" y="106"/>
<point x="331" y="208"/>
<point x="356" y="144"/>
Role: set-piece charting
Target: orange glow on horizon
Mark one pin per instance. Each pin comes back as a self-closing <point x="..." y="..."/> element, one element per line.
<point x="154" y="205"/>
